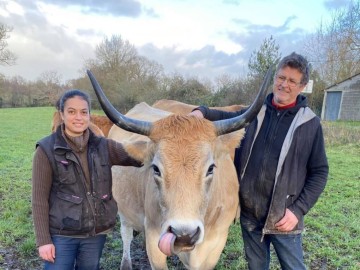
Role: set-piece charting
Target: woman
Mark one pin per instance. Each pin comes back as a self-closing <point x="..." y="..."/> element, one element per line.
<point x="72" y="203"/>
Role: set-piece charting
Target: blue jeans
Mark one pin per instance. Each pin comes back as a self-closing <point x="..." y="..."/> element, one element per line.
<point x="288" y="248"/>
<point x="77" y="253"/>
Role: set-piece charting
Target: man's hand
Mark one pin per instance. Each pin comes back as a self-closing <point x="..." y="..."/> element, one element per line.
<point x="288" y="222"/>
<point x="47" y="252"/>
<point x="197" y="113"/>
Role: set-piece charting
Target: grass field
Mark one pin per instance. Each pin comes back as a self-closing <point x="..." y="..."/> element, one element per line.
<point x="331" y="239"/>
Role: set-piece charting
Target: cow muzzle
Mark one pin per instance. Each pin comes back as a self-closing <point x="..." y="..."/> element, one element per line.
<point x="175" y="241"/>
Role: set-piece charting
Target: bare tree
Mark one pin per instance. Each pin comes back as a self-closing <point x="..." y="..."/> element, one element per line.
<point x="127" y="77"/>
<point x="334" y="49"/>
<point x="50" y="77"/>
<point x="6" y="56"/>
<point x="49" y="87"/>
<point x="117" y="56"/>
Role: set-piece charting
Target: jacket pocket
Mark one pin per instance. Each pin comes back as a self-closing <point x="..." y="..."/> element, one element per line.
<point x="102" y="172"/>
<point x="65" y="170"/>
<point x="106" y="211"/>
<point x="289" y="200"/>
<point x="66" y="212"/>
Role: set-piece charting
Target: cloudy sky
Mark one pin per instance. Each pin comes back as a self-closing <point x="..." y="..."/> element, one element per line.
<point x="205" y="38"/>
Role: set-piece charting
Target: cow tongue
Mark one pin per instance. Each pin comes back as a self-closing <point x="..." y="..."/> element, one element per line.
<point x="166" y="243"/>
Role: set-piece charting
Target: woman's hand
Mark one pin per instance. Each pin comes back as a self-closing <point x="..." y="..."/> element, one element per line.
<point x="47" y="252"/>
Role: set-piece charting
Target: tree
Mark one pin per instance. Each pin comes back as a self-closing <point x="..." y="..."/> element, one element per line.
<point x="260" y="60"/>
<point x="127" y="77"/>
<point x="188" y="90"/>
<point x="6" y="56"/>
<point x="116" y="54"/>
<point x="231" y="91"/>
<point x="334" y="49"/>
<point x="49" y="88"/>
<point x="315" y="99"/>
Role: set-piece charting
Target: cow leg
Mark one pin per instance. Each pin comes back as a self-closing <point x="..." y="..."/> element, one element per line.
<point x="156" y="257"/>
<point x="205" y="256"/>
<point x="127" y="237"/>
<point x="214" y="256"/>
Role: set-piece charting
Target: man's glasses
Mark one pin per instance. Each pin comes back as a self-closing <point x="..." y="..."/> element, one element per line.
<point x="290" y="82"/>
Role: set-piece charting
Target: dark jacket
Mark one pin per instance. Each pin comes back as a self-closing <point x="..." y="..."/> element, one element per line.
<point x="281" y="163"/>
<point x="73" y="209"/>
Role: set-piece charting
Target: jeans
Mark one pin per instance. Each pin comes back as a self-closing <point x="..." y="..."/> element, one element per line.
<point x="77" y="253"/>
<point x="288" y="248"/>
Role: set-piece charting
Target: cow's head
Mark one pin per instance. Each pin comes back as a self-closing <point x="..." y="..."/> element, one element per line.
<point x="186" y="159"/>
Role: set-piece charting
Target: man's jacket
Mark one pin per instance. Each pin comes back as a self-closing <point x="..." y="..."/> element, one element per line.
<point x="286" y="167"/>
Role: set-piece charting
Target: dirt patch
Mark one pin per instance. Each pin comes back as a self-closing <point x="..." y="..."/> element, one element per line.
<point x="113" y="251"/>
<point x="11" y="260"/>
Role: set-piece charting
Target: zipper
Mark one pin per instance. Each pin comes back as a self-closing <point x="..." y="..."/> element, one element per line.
<point x="88" y="194"/>
<point x="278" y="115"/>
<point x="262" y="235"/>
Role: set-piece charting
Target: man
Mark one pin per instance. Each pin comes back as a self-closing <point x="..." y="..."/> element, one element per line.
<point x="282" y="168"/>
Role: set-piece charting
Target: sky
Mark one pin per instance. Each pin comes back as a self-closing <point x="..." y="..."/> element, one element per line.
<point x="201" y="38"/>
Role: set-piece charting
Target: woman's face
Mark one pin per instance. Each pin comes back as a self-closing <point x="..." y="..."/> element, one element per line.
<point x="76" y="116"/>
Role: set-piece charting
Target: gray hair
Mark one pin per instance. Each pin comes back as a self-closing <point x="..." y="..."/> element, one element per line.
<point x="298" y="62"/>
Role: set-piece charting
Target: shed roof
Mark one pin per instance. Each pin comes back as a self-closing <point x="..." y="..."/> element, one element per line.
<point x="351" y="77"/>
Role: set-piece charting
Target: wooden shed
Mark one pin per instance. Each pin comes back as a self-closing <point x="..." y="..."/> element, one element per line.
<point x="342" y="100"/>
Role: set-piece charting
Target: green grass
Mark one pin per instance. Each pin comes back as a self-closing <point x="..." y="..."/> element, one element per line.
<point x="334" y="222"/>
<point x="20" y="129"/>
<point x="331" y="239"/>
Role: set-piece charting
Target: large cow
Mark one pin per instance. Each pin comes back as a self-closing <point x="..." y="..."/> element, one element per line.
<point x="185" y="196"/>
<point x="178" y="107"/>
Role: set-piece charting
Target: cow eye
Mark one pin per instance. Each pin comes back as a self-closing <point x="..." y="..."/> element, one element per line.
<point x="156" y="170"/>
<point x="210" y="171"/>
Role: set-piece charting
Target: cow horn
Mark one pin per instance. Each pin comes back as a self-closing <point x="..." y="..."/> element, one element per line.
<point x="129" y="124"/>
<point x="232" y="124"/>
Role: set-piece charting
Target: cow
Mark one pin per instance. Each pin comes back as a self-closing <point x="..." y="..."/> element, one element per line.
<point x="178" y="107"/>
<point x="99" y="124"/>
<point x="185" y="196"/>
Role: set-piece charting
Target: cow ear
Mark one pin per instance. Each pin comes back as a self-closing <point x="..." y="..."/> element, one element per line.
<point x="229" y="142"/>
<point x="138" y="150"/>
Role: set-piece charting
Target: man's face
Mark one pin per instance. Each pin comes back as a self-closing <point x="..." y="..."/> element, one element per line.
<point x="287" y="86"/>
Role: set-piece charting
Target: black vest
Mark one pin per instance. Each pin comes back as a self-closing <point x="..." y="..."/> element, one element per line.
<point x="73" y="208"/>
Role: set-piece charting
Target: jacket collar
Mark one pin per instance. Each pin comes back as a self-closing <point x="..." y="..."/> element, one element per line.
<point x="61" y="144"/>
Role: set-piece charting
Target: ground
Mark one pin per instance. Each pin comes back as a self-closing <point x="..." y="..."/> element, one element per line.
<point x="112" y="254"/>
<point x="10" y="259"/>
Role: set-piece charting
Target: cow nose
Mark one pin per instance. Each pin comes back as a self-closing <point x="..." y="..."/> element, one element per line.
<point x="185" y="237"/>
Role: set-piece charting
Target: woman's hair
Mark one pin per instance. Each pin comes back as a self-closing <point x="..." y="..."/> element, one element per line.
<point x="298" y="62"/>
<point x="70" y="94"/>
